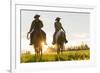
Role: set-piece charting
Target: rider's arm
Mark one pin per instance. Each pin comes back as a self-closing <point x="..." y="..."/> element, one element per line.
<point x="31" y="28"/>
<point x="41" y="24"/>
<point x="62" y="28"/>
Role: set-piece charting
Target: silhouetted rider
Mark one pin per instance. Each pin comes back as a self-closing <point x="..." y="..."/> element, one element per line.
<point x="58" y="26"/>
<point x="37" y="24"/>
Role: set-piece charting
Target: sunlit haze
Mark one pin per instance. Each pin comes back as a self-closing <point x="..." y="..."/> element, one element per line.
<point x="76" y="26"/>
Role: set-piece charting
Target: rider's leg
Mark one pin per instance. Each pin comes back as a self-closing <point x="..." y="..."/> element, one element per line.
<point x="31" y="39"/>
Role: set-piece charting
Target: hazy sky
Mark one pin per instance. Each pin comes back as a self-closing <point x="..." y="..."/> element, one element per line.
<point x="76" y="25"/>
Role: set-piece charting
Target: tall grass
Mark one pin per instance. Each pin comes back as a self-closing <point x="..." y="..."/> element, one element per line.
<point x="81" y="52"/>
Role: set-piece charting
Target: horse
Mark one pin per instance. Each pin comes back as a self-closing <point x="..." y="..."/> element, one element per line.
<point x="38" y="38"/>
<point x="59" y="41"/>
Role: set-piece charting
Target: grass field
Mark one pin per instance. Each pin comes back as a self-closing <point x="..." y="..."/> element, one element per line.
<point x="68" y="55"/>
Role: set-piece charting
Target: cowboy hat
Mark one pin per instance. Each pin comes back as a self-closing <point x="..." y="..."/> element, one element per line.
<point x="36" y="16"/>
<point x="58" y="18"/>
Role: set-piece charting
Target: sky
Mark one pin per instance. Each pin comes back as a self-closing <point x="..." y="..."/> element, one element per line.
<point x="75" y="24"/>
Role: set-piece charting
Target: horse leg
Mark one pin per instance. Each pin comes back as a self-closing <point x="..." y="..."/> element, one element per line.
<point x="36" y="57"/>
<point x="41" y="53"/>
<point x="35" y="53"/>
<point x="58" y="52"/>
<point x="62" y="48"/>
<point x="38" y="54"/>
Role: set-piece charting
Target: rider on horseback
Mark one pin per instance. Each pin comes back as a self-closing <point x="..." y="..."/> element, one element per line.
<point x="36" y="26"/>
<point x="58" y="26"/>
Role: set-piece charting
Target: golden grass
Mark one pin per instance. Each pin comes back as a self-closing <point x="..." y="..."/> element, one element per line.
<point x="65" y="56"/>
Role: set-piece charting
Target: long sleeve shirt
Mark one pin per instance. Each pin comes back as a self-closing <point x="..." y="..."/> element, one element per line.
<point x="36" y="25"/>
<point x="58" y="26"/>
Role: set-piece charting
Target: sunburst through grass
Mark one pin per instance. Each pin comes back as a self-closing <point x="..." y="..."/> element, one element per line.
<point x="80" y="52"/>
